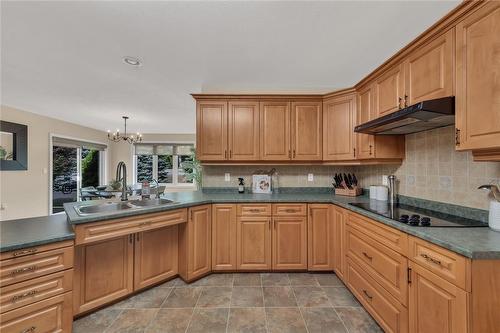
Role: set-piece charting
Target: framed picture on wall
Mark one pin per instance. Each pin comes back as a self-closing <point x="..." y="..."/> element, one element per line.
<point x="261" y="184"/>
<point x="13" y="146"/>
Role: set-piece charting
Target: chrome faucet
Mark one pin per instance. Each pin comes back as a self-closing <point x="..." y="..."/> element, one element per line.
<point x="121" y="176"/>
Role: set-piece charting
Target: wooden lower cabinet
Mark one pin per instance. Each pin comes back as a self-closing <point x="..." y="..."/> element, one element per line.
<point x="223" y="237"/>
<point x="320" y="238"/>
<point x="289" y="242"/>
<point x="253" y="239"/>
<point x="104" y="271"/>
<point x="195" y="243"/>
<point x="339" y="243"/>
<point x="435" y="305"/>
<point x="155" y="256"/>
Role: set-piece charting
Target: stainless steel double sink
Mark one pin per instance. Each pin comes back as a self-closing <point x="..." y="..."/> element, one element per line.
<point x="110" y="207"/>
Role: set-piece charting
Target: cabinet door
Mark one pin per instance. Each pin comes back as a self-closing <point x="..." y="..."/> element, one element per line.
<point x="223" y="237"/>
<point x="104" y="272"/>
<point x="339" y="117"/>
<point x="389" y="91"/>
<point x="253" y="239"/>
<point x="155" y="256"/>
<point x="275" y="131"/>
<point x="200" y="241"/>
<point x="243" y="130"/>
<point x="211" y="130"/>
<point x="435" y="305"/>
<point x="289" y="242"/>
<point x="478" y="72"/>
<point x="339" y="220"/>
<point x="307" y="131"/>
<point x="430" y="70"/>
<point x="320" y="235"/>
<point x="365" y="142"/>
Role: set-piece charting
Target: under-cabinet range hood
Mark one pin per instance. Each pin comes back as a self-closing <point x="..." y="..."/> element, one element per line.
<point x="419" y="117"/>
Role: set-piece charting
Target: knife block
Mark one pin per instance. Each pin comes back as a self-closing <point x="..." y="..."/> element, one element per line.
<point x="354" y="192"/>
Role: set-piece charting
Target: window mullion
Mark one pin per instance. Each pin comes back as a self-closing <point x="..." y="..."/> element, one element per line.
<point x="175" y="169"/>
<point x="155" y="167"/>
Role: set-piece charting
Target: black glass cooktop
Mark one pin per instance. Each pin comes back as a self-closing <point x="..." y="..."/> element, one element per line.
<point x="417" y="217"/>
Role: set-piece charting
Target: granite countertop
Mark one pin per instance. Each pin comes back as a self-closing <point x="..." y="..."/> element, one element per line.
<point x="28" y="232"/>
<point x="476" y="243"/>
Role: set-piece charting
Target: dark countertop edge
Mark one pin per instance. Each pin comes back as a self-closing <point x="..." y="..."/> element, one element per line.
<point x="24" y="245"/>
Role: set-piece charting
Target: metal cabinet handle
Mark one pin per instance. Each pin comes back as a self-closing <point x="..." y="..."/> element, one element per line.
<point x="354" y="150"/>
<point x="289" y="153"/>
<point x="16" y="298"/>
<point x="370" y="149"/>
<point x="367" y="295"/>
<point x="225" y="154"/>
<point x="367" y="256"/>
<point x="269" y="222"/>
<point x="289" y="210"/>
<point x="457" y="137"/>
<point x="130" y="238"/>
<point x="254" y="210"/>
<point x="294" y="153"/>
<point x="431" y="259"/>
<point x="23" y="252"/>
<point x="406" y="100"/>
<point x="399" y="103"/>
<point x="29" y="329"/>
<point x="23" y="270"/>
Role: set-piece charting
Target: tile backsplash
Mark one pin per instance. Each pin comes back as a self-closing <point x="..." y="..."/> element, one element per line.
<point x="432" y="170"/>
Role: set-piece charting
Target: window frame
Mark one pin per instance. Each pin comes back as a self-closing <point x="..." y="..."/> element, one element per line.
<point x="175" y="166"/>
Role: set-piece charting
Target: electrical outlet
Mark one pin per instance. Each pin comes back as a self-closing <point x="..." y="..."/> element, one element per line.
<point x="227" y="177"/>
<point x="385" y="180"/>
<point x="310" y="177"/>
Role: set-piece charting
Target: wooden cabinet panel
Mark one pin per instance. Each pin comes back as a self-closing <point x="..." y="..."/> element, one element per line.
<point x="307" y="131"/>
<point x="435" y="305"/>
<point x="23" y="293"/>
<point x="23" y="268"/>
<point x="391" y="315"/>
<point x="430" y="70"/>
<point x="365" y="113"/>
<point x="390" y="91"/>
<point x="104" y="271"/>
<point x="321" y="238"/>
<point x="211" y="130"/>
<point x="340" y="252"/>
<point x="50" y="315"/>
<point x="275" y="131"/>
<point x="384" y="265"/>
<point x="243" y="130"/>
<point x="35" y="249"/>
<point x="254" y="209"/>
<point x="339" y="119"/>
<point x="223" y="237"/>
<point x="253" y="236"/>
<point x="289" y="243"/>
<point x="289" y="209"/>
<point x="477" y="73"/>
<point x="155" y="255"/>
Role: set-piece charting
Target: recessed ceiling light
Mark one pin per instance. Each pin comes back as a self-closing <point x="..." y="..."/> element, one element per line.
<point x="132" y="61"/>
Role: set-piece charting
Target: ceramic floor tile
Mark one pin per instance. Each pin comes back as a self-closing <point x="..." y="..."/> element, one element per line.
<point x="247" y="279"/>
<point x="357" y="320"/>
<point x="275" y="279"/>
<point x="279" y="297"/>
<point x="247" y="297"/>
<point x="320" y="320"/>
<point x="285" y="320"/>
<point x="328" y="280"/>
<point x="169" y="284"/>
<point x="152" y="298"/>
<point x="132" y="321"/>
<point x="220" y="279"/>
<point x="182" y="298"/>
<point x="215" y="297"/>
<point x="247" y="320"/>
<point x="96" y="322"/>
<point x="340" y="296"/>
<point x="208" y="321"/>
<point x="170" y="321"/>
<point x="302" y="279"/>
<point x="311" y="297"/>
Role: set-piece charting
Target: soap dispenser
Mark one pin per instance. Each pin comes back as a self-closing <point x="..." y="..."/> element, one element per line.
<point x="241" y="185"/>
<point x="494" y="213"/>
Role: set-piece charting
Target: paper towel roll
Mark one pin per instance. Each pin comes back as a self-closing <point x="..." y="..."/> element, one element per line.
<point x="382" y="193"/>
<point x="494" y="216"/>
<point x="373" y="192"/>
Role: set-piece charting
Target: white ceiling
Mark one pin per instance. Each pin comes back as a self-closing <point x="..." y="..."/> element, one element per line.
<point x="64" y="59"/>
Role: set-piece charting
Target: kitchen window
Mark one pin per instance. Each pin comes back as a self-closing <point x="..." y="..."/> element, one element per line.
<point x="163" y="162"/>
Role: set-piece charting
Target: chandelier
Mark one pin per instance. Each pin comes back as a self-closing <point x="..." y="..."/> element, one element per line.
<point x="117" y="137"/>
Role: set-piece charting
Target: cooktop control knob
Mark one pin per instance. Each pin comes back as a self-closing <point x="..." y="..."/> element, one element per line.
<point x="404" y="218"/>
<point x="425" y="221"/>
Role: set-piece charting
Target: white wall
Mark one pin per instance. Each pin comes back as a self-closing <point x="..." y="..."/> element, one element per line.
<point x="26" y="193"/>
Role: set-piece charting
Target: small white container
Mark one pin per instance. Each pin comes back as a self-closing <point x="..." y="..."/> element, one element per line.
<point x="382" y="193"/>
<point x="494" y="216"/>
<point x="373" y="192"/>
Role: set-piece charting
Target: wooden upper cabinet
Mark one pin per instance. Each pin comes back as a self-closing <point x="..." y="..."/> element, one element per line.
<point x="307" y="131"/>
<point x="289" y="242"/>
<point x="390" y="91"/>
<point x="365" y="113"/>
<point x="275" y="131"/>
<point x="223" y="237"/>
<point x="320" y="234"/>
<point x="243" y="122"/>
<point x="430" y="70"/>
<point x="253" y="243"/>
<point x="339" y="119"/>
<point x="478" y="83"/>
<point x="211" y="130"/>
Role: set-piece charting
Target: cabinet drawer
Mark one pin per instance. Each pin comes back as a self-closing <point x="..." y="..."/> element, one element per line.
<point x="98" y="231"/>
<point x="384" y="265"/>
<point x="289" y="209"/>
<point x="34" y="249"/>
<point x="391" y="315"/>
<point x="35" y="265"/>
<point x="50" y="315"/>
<point x="390" y="237"/>
<point x="31" y="291"/>
<point x="254" y="210"/>
<point x="446" y="264"/>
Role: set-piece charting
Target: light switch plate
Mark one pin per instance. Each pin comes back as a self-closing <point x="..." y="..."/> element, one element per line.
<point x="310" y="177"/>
<point x="227" y="177"/>
<point x="385" y="180"/>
